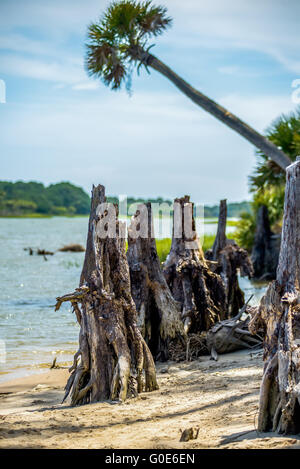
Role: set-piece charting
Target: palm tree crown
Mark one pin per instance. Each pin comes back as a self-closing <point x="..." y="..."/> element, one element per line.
<point x="284" y="132"/>
<point x="124" y="29"/>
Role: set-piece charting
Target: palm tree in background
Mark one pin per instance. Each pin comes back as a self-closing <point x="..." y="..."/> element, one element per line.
<point x="120" y="41"/>
<point x="284" y="132"/>
<point x="267" y="182"/>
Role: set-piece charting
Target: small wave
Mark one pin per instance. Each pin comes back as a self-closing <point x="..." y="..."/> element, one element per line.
<point x="44" y="303"/>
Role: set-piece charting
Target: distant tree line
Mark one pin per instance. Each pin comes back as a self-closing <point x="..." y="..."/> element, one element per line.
<point x="234" y="210"/>
<point x="28" y="198"/>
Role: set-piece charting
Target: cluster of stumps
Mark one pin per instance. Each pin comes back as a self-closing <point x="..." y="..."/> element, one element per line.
<point x="134" y="311"/>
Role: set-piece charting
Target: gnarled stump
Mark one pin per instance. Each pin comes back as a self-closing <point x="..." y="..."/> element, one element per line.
<point x="199" y="291"/>
<point x="158" y="313"/>
<point x="266" y="247"/>
<point x="279" y="315"/>
<point x="112" y="350"/>
<point x="228" y="258"/>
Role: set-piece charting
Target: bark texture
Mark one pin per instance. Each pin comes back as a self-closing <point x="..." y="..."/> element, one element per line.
<point x="265" y="252"/>
<point x="112" y="353"/>
<point x="279" y="315"/>
<point x="199" y="291"/>
<point x="158" y="313"/>
<point x="227" y="260"/>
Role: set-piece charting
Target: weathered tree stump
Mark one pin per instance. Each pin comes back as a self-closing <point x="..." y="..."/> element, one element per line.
<point x="265" y="252"/>
<point x="199" y="291"/>
<point x="227" y="259"/>
<point x="220" y="239"/>
<point x="279" y="315"/>
<point x="112" y="350"/>
<point x="158" y="313"/>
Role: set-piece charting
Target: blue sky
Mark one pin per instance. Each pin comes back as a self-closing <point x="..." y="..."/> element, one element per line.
<point x="59" y="124"/>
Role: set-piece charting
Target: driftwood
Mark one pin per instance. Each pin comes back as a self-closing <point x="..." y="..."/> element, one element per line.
<point x="194" y="348"/>
<point x="72" y="248"/>
<point x="158" y="313"/>
<point x="232" y="334"/>
<point x="189" y="434"/>
<point x="227" y="259"/>
<point x="265" y="252"/>
<point x="44" y="252"/>
<point x="112" y="351"/>
<point x="199" y="291"/>
<point x="279" y="315"/>
<point x="39" y="252"/>
<point x="223" y="337"/>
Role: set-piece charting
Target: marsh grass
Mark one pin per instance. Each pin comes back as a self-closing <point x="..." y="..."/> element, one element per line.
<point x="163" y="246"/>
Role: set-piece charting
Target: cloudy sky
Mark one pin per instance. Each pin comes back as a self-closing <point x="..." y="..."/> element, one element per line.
<point x="58" y="124"/>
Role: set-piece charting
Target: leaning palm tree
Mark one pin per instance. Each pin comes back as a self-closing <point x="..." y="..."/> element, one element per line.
<point x="120" y="41"/>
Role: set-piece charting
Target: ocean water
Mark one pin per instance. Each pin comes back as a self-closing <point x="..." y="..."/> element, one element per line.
<point x="32" y="333"/>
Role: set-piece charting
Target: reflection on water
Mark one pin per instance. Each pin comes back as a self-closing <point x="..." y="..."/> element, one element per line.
<point x="32" y="331"/>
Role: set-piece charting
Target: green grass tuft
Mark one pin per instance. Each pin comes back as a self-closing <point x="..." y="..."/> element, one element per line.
<point x="163" y="246"/>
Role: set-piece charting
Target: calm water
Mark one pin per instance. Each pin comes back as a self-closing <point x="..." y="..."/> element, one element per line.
<point x="32" y="331"/>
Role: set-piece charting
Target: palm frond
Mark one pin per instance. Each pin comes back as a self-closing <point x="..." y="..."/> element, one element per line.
<point x="284" y="132"/>
<point x="114" y="75"/>
<point x="126" y="24"/>
<point x="153" y="20"/>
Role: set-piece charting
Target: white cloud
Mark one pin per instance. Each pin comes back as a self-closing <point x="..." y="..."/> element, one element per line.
<point x="86" y="86"/>
<point x="270" y="27"/>
<point x="229" y="70"/>
<point x="53" y="17"/>
<point x="21" y="43"/>
<point x="152" y="143"/>
<point x="20" y="66"/>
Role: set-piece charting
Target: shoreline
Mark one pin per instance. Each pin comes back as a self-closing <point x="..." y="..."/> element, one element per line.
<point x="41" y="216"/>
<point x="26" y="383"/>
<point x="24" y="373"/>
<point x="220" y="398"/>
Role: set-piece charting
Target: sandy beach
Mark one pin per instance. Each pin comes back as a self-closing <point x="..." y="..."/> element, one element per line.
<point x="220" y="398"/>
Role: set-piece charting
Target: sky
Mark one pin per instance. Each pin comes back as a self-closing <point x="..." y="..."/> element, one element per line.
<point x="57" y="124"/>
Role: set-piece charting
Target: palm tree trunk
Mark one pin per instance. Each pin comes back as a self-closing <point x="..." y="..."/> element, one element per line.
<point x="229" y="119"/>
